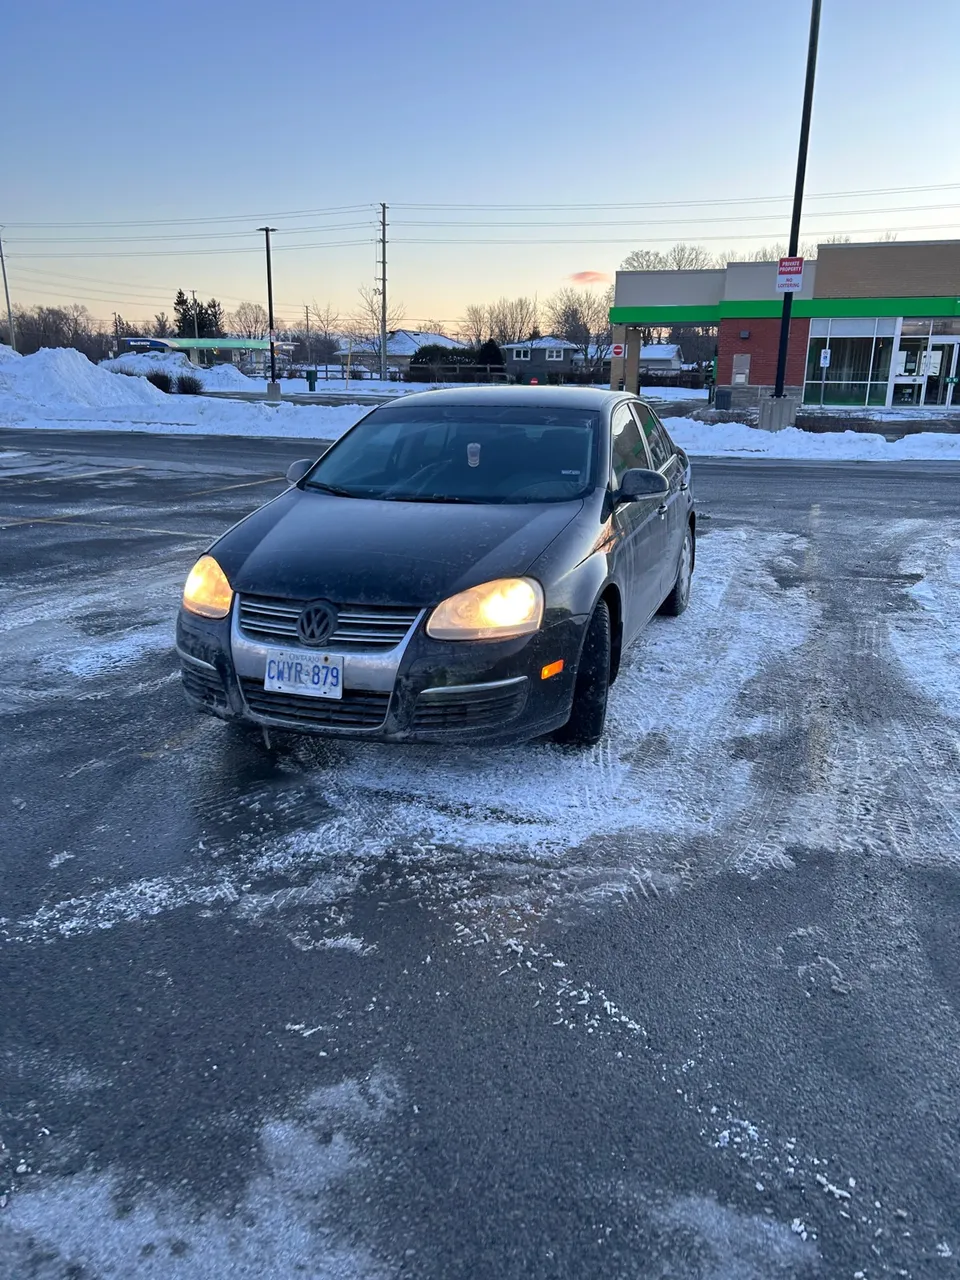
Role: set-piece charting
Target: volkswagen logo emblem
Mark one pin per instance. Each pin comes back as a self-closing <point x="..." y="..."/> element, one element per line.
<point x="316" y="623"/>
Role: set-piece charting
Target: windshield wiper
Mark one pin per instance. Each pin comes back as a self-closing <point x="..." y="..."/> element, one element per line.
<point x="425" y="497"/>
<point x="331" y="488"/>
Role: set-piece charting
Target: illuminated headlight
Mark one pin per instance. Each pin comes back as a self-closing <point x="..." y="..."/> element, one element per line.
<point x="208" y="592"/>
<point x="493" y="611"/>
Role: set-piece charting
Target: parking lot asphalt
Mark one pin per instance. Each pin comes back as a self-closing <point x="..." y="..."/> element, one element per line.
<point x="683" y="1006"/>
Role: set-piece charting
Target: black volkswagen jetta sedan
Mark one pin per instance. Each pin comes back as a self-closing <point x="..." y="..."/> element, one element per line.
<point x="461" y="566"/>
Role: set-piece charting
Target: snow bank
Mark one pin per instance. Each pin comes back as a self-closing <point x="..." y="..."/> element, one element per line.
<point x="8" y="353"/>
<point x="63" y="378"/>
<point x="221" y="377"/>
<point x="736" y="439"/>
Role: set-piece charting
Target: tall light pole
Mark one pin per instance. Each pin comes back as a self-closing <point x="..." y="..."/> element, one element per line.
<point x="12" y="335"/>
<point x="196" y="326"/>
<point x="273" y="388"/>
<point x="798" y="191"/>
<point x="383" y="292"/>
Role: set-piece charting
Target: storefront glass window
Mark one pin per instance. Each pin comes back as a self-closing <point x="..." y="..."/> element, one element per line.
<point x="855" y="369"/>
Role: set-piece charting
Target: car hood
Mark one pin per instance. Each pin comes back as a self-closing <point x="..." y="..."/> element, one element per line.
<point x="307" y="545"/>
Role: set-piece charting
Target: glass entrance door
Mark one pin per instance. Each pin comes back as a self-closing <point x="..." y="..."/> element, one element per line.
<point x="940" y="361"/>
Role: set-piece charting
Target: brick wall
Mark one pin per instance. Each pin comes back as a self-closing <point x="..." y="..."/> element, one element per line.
<point x="930" y="269"/>
<point x="762" y="347"/>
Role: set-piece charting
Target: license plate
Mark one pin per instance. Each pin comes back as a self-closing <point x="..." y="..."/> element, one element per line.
<point x="315" y="675"/>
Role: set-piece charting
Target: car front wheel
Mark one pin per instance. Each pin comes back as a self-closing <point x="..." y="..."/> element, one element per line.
<point x="589" y="712"/>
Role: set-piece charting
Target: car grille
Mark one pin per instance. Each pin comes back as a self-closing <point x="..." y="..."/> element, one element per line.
<point x="358" y="626"/>
<point x="203" y="684"/>
<point x="469" y="708"/>
<point x="357" y="709"/>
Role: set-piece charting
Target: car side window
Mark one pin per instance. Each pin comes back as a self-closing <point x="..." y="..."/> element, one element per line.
<point x="658" y="442"/>
<point x="628" y="447"/>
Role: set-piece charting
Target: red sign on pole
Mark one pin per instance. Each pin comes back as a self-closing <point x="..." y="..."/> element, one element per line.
<point x="618" y="350"/>
<point x="790" y="275"/>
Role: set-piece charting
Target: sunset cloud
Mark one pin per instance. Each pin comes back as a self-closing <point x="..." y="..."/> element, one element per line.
<point x="589" y="277"/>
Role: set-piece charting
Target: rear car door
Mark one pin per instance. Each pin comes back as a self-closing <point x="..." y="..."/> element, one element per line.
<point x="673" y="507"/>
<point x="640" y="527"/>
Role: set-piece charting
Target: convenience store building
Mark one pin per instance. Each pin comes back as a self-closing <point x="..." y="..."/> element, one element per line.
<point x="874" y="325"/>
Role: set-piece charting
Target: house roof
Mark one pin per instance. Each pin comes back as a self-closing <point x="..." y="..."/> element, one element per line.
<point x="660" y="351"/>
<point x="407" y="342"/>
<point x="539" y="344"/>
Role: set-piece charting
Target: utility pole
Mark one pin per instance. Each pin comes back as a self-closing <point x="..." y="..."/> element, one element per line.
<point x="196" y="327"/>
<point x="383" y="292"/>
<point x="273" y="387"/>
<point x="116" y="331"/>
<point x="306" y="317"/>
<point x="798" y="191"/>
<point x="12" y="336"/>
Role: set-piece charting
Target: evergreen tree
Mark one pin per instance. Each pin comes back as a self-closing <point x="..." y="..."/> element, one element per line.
<point x="161" y="326"/>
<point x="214" y="320"/>
<point x="489" y="353"/>
<point x="183" y="314"/>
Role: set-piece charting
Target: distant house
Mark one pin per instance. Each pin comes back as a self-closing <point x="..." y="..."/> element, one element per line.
<point x="542" y="359"/>
<point x="402" y="346"/>
<point x="661" y="357"/>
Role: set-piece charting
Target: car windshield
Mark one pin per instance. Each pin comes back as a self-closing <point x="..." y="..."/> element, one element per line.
<point x="464" y="453"/>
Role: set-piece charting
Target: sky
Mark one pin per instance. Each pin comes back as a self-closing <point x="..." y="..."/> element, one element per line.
<point x="517" y="146"/>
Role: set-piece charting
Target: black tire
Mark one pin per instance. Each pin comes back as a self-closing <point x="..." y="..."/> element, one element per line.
<point x="589" y="712"/>
<point x="679" y="597"/>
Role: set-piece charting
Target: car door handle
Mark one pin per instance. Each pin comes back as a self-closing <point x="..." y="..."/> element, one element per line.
<point x="662" y="509"/>
<point x="684" y="486"/>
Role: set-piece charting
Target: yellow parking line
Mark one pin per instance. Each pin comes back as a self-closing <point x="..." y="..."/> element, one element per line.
<point x="106" y="471"/>
<point x="109" y="524"/>
<point x="246" y="484"/>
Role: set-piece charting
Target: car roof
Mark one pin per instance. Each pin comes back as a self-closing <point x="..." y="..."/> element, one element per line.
<point x="544" y="397"/>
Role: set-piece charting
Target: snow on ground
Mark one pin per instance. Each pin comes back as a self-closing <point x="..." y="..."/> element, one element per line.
<point x="736" y="439"/>
<point x="59" y="378"/>
<point x="220" y="377"/>
<point x="62" y="389"/>
<point x="674" y="393"/>
<point x="925" y="639"/>
<point x="572" y="813"/>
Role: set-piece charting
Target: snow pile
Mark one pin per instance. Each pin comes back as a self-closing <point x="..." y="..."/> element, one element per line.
<point x="220" y="377"/>
<point x="8" y="353"/>
<point x="736" y="439"/>
<point x="64" y="378"/>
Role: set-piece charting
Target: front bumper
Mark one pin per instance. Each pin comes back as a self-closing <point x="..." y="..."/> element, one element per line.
<point x="422" y="690"/>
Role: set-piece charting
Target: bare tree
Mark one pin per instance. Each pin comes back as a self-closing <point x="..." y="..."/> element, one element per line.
<point x="434" y="326"/>
<point x="250" y="320"/>
<point x="688" y="257"/>
<point x="474" y="326"/>
<point x="582" y="316"/>
<point x="364" y="325"/>
<point x="680" y="257"/>
<point x="645" y="260"/>
<point x="162" y="327"/>
<point x="513" y="319"/>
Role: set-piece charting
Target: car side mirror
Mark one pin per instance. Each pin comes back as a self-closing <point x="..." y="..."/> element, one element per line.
<point x="297" y="470"/>
<point x="638" y="482"/>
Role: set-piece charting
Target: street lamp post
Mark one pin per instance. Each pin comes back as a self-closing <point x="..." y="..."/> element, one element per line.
<point x="273" y="387"/>
<point x="798" y="192"/>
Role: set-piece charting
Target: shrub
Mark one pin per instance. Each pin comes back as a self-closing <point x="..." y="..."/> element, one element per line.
<point x="188" y="384"/>
<point x="161" y="380"/>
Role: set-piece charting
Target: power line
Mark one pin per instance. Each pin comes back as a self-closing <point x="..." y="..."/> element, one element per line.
<point x="680" y="222"/>
<point x="858" y="231"/>
<point x="182" y="222"/>
<point x="191" y="253"/>
<point x="678" y="204"/>
<point x="193" y="235"/>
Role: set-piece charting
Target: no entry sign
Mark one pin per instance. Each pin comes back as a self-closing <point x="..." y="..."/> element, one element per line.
<point x="789" y="275"/>
<point x="618" y="350"/>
